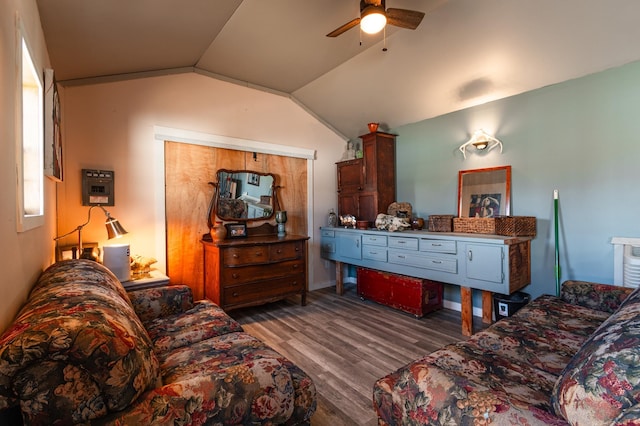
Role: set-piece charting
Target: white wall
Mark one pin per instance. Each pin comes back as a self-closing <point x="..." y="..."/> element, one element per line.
<point x="111" y="126"/>
<point x="22" y="255"/>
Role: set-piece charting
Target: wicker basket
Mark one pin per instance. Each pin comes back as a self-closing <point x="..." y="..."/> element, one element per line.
<point x="440" y="223"/>
<point x="475" y="225"/>
<point x="516" y="226"/>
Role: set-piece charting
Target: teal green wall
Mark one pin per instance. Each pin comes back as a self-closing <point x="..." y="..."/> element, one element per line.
<point x="581" y="137"/>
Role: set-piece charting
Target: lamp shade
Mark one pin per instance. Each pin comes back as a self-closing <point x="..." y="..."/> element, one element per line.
<point x="114" y="229"/>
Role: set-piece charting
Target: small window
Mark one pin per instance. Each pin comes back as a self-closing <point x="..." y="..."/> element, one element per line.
<point x="29" y="146"/>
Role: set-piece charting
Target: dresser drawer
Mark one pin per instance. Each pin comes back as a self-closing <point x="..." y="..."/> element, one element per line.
<point x="264" y="290"/>
<point x="285" y="251"/>
<point x="374" y="240"/>
<point x="403" y="243"/>
<point x="426" y="262"/>
<point x="243" y="274"/>
<point x="234" y="256"/>
<point x="437" y="246"/>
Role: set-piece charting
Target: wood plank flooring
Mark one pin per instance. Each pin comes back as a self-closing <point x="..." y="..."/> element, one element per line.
<point x="346" y="344"/>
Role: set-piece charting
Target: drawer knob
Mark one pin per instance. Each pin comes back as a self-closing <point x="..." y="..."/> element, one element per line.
<point x="297" y="248"/>
<point x="279" y="251"/>
<point x="295" y="266"/>
<point x="235" y="275"/>
<point x="258" y="253"/>
<point x="235" y="294"/>
<point x="235" y="256"/>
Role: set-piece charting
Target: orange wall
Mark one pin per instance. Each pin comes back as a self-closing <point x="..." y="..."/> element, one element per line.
<point x="111" y="126"/>
<point x="22" y="255"/>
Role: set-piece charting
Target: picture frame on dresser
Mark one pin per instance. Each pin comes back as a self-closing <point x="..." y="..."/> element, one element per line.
<point x="236" y="230"/>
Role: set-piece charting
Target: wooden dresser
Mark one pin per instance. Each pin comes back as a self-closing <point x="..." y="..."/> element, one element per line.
<point x="255" y="270"/>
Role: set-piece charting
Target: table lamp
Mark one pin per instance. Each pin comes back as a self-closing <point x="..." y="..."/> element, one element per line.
<point x="114" y="229"/>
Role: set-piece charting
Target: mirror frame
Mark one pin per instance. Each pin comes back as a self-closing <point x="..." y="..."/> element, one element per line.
<point x="481" y="182"/>
<point x="213" y="206"/>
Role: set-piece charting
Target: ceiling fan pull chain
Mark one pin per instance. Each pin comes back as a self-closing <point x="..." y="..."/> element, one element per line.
<point x="384" y="38"/>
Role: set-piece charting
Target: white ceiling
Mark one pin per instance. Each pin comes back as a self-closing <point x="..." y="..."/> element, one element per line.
<point x="464" y="53"/>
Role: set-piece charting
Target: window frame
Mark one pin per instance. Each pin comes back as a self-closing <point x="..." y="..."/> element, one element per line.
<point x="30" y="146"/>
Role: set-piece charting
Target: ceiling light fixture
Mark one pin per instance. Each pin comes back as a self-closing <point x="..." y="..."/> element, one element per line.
<point x="373" y="19"/>
<point x="480" y="140"/>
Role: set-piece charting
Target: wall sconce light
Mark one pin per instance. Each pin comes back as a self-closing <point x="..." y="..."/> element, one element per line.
<point x="114" y="229"/>
<point x="481" y="141"/>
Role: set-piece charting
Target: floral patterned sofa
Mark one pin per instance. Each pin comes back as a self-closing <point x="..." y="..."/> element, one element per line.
<point x="83" y="350"/>
<point x="573" y="359"/>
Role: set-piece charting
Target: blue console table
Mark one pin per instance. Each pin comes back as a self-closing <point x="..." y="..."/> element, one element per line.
<point x="491" y="263"/>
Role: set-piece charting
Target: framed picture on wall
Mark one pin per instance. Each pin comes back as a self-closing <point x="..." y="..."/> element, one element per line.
<point x="253" y="179"/>
<point x="484" y="192"/>
<point x="52" y="133"/>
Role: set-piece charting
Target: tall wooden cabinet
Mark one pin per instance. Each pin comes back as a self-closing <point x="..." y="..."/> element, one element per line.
<point x="366" y="186"/>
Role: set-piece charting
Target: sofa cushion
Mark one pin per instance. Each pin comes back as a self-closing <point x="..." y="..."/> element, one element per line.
<point x="203" y="321"/>
<point x="603" y="378"/>
<point x="76" y="350"/>
<point x="158" y="302"/>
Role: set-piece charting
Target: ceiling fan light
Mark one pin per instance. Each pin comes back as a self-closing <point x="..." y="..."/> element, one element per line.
<point x="372" y="20"/>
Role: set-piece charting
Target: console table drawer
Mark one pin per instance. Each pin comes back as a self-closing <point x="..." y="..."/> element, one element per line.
<point x="374" y="240"/>
<point x="374" y="253"/>
<point x="264" y="290"/>
<point x="438" y="246"/>
<point x="426" y="262"/>
<point x="243" y="274"/>
<point x="328" y="233"/>
<point x="328" y="247"/>
<point x="403" y="243"/>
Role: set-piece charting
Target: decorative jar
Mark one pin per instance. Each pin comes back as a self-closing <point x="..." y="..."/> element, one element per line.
<point x="417" y="223"/>
<point x="332" y="220"/>
<point x="218" y="232"/>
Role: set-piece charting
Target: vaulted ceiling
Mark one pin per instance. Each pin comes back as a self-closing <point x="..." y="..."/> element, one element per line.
<point x="464" y="53"/>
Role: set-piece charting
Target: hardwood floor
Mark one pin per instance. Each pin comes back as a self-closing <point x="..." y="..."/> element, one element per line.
<point x="346" y="344"/>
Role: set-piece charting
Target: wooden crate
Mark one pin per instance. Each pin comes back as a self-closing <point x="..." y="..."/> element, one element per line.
<point x="416" y="296"/>
<point x="516" y="226"/>
<point x="440" y="223"/>
<point x="475" y="225"/>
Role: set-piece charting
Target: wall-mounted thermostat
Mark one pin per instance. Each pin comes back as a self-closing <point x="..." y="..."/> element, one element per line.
<point x="97" y="187"/>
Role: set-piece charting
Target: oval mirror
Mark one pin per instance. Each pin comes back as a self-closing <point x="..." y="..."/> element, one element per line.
<point x="244" y="195"/>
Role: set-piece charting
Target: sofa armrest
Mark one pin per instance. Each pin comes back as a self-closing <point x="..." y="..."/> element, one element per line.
<point x="152" y="303"/>
<point x="601" y="297"/>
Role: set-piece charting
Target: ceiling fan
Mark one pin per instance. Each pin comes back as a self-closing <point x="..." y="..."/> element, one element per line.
<point x="374" y="16"/>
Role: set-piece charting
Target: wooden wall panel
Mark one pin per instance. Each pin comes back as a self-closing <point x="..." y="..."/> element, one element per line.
<point x="188" y="169"/>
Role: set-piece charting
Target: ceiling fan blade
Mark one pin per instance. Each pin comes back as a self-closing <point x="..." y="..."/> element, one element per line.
<point x="404" y="18"/>
<point x="344" y="28"/>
